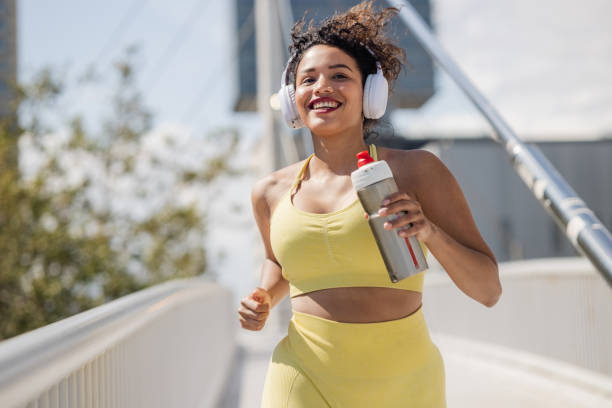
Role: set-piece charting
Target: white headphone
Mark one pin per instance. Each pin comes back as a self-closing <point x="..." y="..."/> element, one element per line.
<point x="375" y="95"/>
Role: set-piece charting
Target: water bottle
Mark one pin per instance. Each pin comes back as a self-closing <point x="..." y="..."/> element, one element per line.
<point x="374" y="182"/>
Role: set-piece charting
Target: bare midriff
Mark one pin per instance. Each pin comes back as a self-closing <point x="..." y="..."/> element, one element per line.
<point x="358" y="304"/>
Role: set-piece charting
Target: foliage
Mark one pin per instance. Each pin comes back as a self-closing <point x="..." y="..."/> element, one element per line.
<point x="85" y="219"/>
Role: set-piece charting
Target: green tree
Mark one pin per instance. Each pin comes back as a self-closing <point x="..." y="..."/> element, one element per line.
<point x="94" y="219"/>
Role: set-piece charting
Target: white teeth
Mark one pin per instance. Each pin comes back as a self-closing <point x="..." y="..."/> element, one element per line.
<point x="325" y="104"/>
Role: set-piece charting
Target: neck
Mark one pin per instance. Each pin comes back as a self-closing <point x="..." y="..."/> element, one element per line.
<point x="337" y="153"/>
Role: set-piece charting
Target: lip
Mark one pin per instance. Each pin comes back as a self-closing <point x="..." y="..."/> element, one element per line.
<point x="323" y="110"/>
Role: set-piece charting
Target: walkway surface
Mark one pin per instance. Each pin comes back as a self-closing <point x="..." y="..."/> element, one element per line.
<point x="477" y="375"/>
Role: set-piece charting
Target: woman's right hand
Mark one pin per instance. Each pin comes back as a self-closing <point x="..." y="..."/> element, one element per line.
<point x="255" y="309"/>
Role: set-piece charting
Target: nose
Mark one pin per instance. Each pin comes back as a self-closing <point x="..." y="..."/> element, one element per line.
<point x="322" y="86"/>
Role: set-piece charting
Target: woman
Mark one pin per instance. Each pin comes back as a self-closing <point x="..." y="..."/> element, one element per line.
<point x="355" y="339"/>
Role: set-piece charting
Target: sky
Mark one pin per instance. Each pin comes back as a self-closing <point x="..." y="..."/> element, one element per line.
<point x="185" y="60"/>
<point x="544" y="65"/>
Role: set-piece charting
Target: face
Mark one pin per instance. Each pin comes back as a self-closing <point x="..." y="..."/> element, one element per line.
<point x="329" y="90"/>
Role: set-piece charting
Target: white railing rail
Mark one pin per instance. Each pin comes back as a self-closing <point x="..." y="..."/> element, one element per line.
<point x="559" y="308"/>
<point x="166" y="346"/>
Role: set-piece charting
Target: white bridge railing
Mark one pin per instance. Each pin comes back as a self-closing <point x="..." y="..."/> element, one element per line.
<point x="167" y="346"/>
<point x="559" y="308"/>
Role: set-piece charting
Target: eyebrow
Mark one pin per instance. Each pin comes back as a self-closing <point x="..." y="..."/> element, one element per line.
<point x="329" y="67"/>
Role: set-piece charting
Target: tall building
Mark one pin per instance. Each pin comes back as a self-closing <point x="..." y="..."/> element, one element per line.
<point x="8" y="57"/>
<point x="413" y="88"/>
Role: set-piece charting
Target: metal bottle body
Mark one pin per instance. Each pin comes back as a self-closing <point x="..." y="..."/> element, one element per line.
<point x="403" y="257"/>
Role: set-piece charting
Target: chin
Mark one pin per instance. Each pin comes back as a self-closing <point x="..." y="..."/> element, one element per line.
<point x="328" y="128"/>
<point x="324" y="129"/>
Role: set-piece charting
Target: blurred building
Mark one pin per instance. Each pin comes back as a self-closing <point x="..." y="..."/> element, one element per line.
<point x="510" y="218"/>
<point x="413" y="88"/>
<point x="8" y="57"/>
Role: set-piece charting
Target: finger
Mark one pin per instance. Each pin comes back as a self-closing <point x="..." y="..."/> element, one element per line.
<point x="250" y="324"/>
<point x="254" y="305"/>
<point x="253" y="322"/>
<point x="391" y="198"/>
<point x="262" y="307"/>
<point x="249" y="314"/>
<point x="366" y="215"/>
<point x="403" y="220"/>
<point x="398" y="206"/>
<point x="414" y="229"/>
<point x="250" y="303"/>
<point x="261" y="295"/>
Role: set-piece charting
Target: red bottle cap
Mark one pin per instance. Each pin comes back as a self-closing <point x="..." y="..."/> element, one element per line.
<point x="364" y="158"/>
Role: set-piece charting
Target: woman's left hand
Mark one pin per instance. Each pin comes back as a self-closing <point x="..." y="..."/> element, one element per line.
<point x="410" y="217"/>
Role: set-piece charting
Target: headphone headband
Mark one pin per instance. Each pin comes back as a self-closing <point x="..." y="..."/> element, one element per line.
<point x="285" y="75"/>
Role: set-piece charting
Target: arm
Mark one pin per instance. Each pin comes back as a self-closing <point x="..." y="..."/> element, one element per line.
<point x="271" y="273"/>
<point x="272" y="288"/>
<point x="443" y="221"/>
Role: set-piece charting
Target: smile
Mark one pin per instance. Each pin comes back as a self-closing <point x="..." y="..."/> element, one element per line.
<point x="324" y="105"/>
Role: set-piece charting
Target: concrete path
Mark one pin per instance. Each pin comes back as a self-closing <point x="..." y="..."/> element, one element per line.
<point x="484" y="375"/>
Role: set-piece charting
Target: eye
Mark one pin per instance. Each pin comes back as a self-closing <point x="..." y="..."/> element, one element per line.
<point x="307" y="80"/>
<point x="340" y="76"/>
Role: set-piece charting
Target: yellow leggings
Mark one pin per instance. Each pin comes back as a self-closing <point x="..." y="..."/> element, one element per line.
<point x="323" y="363"/>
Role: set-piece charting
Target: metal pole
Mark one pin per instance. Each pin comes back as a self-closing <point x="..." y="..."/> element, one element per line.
<point x="287" y="136"/>
<point x="581" y="226"/>
<point x="267" y="63"/>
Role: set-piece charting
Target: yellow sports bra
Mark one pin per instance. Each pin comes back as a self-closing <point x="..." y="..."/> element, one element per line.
<point x="320" y="251"/>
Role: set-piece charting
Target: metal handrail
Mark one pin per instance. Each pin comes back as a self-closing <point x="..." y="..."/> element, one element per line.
<point x="581" y="226"/>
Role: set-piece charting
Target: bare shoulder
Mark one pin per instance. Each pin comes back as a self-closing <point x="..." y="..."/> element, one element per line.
<point x="269" y="190"/>
<point x="413" y="160"/>
<point x="414" y="169"/>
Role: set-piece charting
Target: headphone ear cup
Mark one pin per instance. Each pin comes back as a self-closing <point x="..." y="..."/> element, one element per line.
<point x="375" y="96"/>
<point x="289" y="108"/>
<point x="366" y="96"/>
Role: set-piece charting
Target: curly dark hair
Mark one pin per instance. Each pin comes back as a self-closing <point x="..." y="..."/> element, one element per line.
<point x="360" y="28"/>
